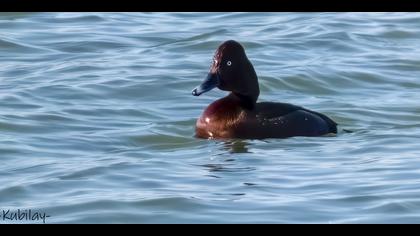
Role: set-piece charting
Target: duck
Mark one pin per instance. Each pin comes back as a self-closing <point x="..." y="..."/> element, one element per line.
<point x="239" y="115"/>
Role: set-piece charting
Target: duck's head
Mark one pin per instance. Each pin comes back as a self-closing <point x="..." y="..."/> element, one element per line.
<point x="231" y="71"/>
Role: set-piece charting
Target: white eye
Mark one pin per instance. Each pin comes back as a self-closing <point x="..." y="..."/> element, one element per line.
<point x="229" y="63"/>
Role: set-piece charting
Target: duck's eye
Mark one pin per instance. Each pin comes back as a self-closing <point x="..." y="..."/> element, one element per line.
<point x="229" y="63"/>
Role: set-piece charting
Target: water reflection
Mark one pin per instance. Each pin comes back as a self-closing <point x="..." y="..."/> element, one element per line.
<point x="226" y="163"/>
<point x="221" y="167"/>
<point x="236" y="146"/>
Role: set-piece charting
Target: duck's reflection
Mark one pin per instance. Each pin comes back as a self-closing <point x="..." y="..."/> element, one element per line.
<point x="226" y="163"/>
<point x="236" y="146"/>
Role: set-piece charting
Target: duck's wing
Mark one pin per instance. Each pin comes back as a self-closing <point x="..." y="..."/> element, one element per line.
<point x="273" y="111"/>
<point x="270" y="110"/>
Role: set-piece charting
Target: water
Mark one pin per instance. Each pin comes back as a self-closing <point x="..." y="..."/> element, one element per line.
<point x="97" y="118"/>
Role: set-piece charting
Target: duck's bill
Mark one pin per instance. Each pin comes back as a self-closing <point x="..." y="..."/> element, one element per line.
<point x="211" y="82"/>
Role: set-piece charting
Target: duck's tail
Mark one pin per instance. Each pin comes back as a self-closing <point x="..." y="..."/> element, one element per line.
<point x="332" y="125"/>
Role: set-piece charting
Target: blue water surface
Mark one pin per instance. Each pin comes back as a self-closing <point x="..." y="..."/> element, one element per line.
<point x="97" y="118"/>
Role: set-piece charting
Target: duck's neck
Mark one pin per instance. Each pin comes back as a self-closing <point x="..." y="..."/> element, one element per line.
<point x="246" y="102"/>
